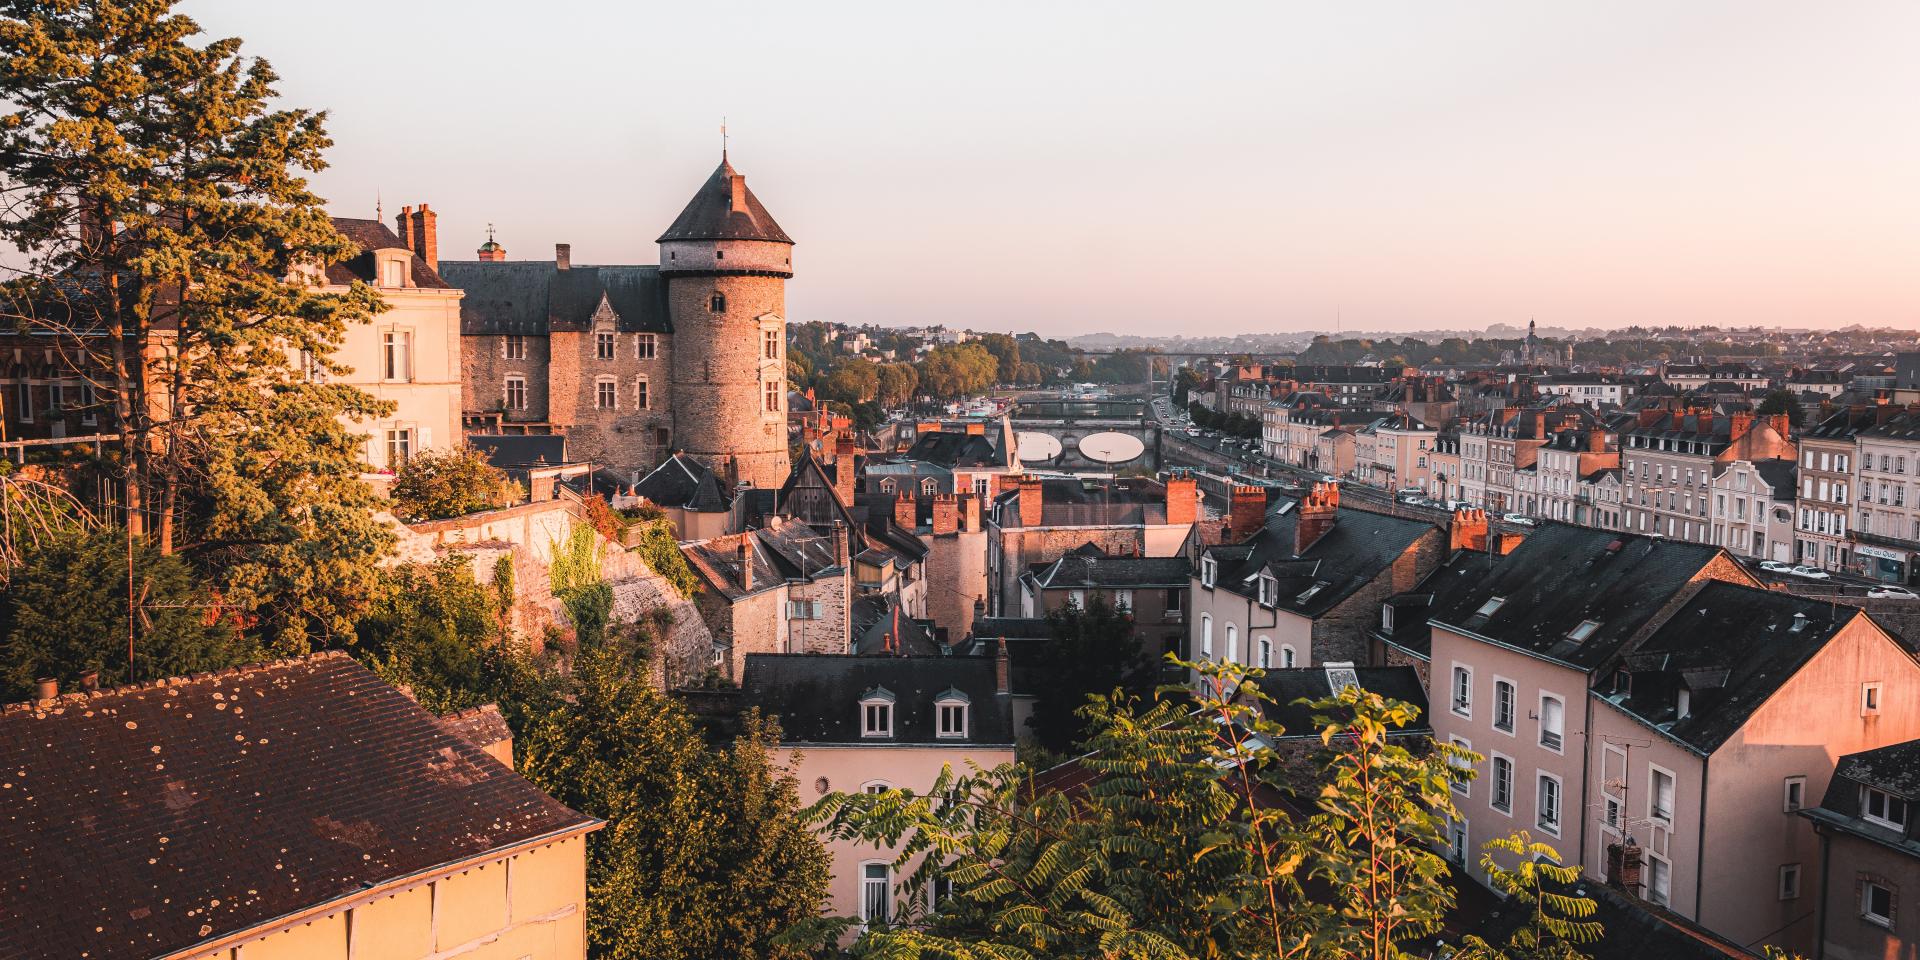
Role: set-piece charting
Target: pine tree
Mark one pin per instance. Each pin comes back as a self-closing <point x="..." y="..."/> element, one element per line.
<point x="174" y="256"/>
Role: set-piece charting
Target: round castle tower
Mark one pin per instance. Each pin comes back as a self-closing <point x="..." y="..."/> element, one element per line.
<point x="725" y="265"/>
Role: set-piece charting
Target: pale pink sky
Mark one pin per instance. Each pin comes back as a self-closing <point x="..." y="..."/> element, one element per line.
<point x="1164" y="168"/>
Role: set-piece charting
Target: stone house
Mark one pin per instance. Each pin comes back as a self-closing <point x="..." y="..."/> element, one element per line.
<point x="302" y="808"/>
<point x="1038" y="521"/>
<point x="1869" y="856"/>
<point x="784" y="588"/>
<point x="1152" y="590"/>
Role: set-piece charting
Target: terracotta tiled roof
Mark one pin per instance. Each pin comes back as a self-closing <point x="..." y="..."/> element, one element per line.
<point x="146" y="820"/>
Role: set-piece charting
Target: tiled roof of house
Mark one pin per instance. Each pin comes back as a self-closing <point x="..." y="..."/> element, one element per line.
<point x="710" y="215"/>
<point x="371" y="235"/>
<point x="817" y="697"/>
<point x="1360" y="547"/>
<point x="142" y="821"/>
<point x="1285" y="687"/>
<point x="1561" y="577"/>
<point x="535" y="297"/>
<point x="1078" y="569"/>
<point x="684" y="482"/>
<point x="1730" y="647"/>
<point x="510" y="450"/>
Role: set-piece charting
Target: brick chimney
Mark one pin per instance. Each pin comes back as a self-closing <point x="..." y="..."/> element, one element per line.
<point x="976" y="429"/>
<point x="1506" y="542"/>
<point x="1032" y="502"/>
<point x="1002" y="668"/>
<point x="946" y="514"/>
<point x="906" y="512"/>
<point x="970" y="513"/>
<point x="1468" y="531"/>
<point x="1318" y="513"/>
<point x="737" y="193"/>
<point x="403" y="225"/>
<point x="843" y="470"/>
<point x="1183" y="504"/>
<point x="1596" y="441"/>
<point x="839" y="544"/>
<point x="744" y="553"/>
<point x="425" y="236"/>
<point x="1248" y="512"/>
<point x="1782" y="424"/>
<point x="46" y="690"/>
<point x="1650" y="416"/>
<point x="563" y="256"/>
<point x="1739" y="423"/>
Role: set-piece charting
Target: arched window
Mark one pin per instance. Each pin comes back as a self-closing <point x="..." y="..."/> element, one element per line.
<point x="1233" y="643"/>
<point x="1206" y="635"/>
<point x="719" y="303"/>
<point x="1286" y="655"/>
<point x="1266" y="653"/>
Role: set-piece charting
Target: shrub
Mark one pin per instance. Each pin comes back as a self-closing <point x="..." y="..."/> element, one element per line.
<point x="441" y="484"/>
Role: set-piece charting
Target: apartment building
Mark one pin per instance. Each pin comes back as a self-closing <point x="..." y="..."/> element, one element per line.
<point x="1153" y="591"/>
<point x="1753" y="508"/>
<point x="1869" y="857"/>
<point x="1040" y="520"/>
<point x="1394" y="453"/>
<point x="1669" y="457"/>
<point x="1888" y="532"/>
<point x="1828" y="458"/>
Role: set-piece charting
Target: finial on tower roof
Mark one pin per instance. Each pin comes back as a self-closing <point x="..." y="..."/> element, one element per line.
<point x="723" y="139"/>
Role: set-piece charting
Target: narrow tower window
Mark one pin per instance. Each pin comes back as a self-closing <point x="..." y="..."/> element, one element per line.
<point x="719" y="302"/>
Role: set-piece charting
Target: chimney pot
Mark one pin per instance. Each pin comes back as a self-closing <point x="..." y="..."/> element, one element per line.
<point x="563" y="256"/>
<point x="46" y="688"/>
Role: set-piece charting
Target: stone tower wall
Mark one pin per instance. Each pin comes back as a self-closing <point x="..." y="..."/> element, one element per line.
<point x="720" y="371"/>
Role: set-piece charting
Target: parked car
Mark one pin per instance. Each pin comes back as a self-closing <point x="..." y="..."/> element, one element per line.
<point x="1810" y="573"/>
<point x="1891" y="592"/>
<point x="1518" y="519"/>
<point x="1775" y="566"/>
<point x="1329" y="478"/>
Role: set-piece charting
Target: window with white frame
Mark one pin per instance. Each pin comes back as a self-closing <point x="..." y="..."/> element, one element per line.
<point x="643" y="346"/>
<point x="23" y="402"/>
<point x="399" y="447"/>
<point x="773" y="391"/>
<point x="876" y="890"/>
<point x="1660" y="796"/>
<point x="1287" y="655"/>
<point x="1206" y="635"/>
<point x="394" y="274"/>
<point x="771" y="344"/>
<point x="1491" y="607"/>
<point x="1233" y="643"/>
<point x="1876" y="903"/>
<point x="396" y="355"/>
<point x="1553" y="722"/>
<point x="1501" y="797"/>
<point x="1269" y="589"/>
<point x="516" y="393"/>
<point x="1460" y="767"/>
<point x="1659" y="880"/>
<point x="1869" y="699"/>
<point x="1209" y="570"/>
<point x="876" y="713"/>
<point x="1077" y="599"/>
<point x="1794" y="794"/>
<point x="1547" y="805"/>
<point x="1879" y="806"/>
<point x="606" y="394"/>
<point x="1503" y="700"/>
<point x="516" y="347"/>
<point x="929" y="487"/>
<point x="952" y="710"/>
<point x="1790" y="881"/>
<point x="1462" y="690"/>
<point x="803" y="609"/>
<point x="1266" y="653"/>
<point x="603" y="346"/>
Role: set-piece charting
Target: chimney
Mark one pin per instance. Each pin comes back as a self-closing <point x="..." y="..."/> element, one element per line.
<point x="843" y="470"/>
<point x="737" y="193"/>
<point x="745" y="554"/>
<point x="1033" y="500"/>
<point x="1317" y="515"/>
<point x="1782" y="424"/>
<point x="426" y="236"/>
<point x="946" y="514"/>
<point x="1506" y="543"/>
<point x="563" y="256"/>
<point x="906" y="512"/>
<point x="403" y="225"/>
<point x="1740" y="422"/>
<point x="1650" y="416"/>
<point x="843" y="448"/>
<point x="46" y="690"/>
<point x="1002" y="668"/>
<point x="970" y="513"/>
<point x="1248" y="512"/>
<point x="1183" y="504"/>
<point x="976" y="429"/>
<point x="1468" y="531"/>
<point x="1596" y="441"/>
<point x="839" y="544"/>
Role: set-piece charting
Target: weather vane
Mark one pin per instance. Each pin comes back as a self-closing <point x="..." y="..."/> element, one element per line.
<point x="489" y="233"/>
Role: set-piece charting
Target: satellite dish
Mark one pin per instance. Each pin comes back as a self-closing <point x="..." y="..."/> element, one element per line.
<point x="1111" y="447"/>
<point x="1035" y="447"/>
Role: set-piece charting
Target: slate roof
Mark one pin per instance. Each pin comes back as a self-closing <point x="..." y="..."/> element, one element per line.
<point x="1731" y="647"/>
<point x="371" y="235"/>
<point x="482" y="726"/>
<point x="1895" y="769"/>
<point x="1123" y="501"/>
<point x="710" y="214"/>
<point x="267" y="790"/>
<point x="875" y="616"/>
<point x="1286" y="686"/>
<point x="950" y="449"/>
<point x="535" y="297"/>
<point x="1360" y="547"/>
<point x="1561" y="576"/>
<point x="1078" y="569"/>
<point x="990" y="628"/>
<point x="1902" y="426"/>
<point x="521" y="449"/>
<point x="817" y="696"/>
<point x="1780" y="475"/>
<point x="683" y="482"/>
<point x="1635" y="929"/>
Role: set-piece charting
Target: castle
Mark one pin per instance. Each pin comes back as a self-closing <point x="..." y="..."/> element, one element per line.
<point x="634" y="362"/>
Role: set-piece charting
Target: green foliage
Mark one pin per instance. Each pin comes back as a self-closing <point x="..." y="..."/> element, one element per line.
<point x="1782" y="401"/>
<point x="898" y="384"/>
<point x="442" y="633"/>
<point x="576" y="561"/>
<point x="64" y="612"/>
<point x="437" y="485"/>
<point x="1557" y="923"/>
<point x="661" y="552"/>
<point x="958" y="370"/>
<point x="853" y="380"/>
<point x="155" y="162"/>
<point x="702" y="855"/>
<point x="1183" y="847"/>
<point x="1092" y="652"/>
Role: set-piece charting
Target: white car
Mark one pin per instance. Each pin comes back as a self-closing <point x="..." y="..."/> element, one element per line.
<point x="1775" y="566"/>
<point x="1810" y="573"/>
<point x="1890" y="592"/>
<point x="1518" y="519"/>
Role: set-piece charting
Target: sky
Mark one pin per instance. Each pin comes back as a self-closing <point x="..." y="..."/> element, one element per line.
<point x="1162" y="168"/>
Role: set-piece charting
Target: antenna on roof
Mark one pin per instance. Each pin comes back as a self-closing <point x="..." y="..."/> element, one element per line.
<point x="489" y="233"/>
<point x="723" y="139"/>
<point x="379" y="209"/>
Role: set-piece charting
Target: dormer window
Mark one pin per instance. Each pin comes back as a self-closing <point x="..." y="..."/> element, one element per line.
<point x="950" y="709"/>
<point x="1883" y="808"/>
<point x="1269" y="590"/>
<point x="1490" y="607"/>
<point x="876" y="713"/>
<point x="393" y="272"/>
<point x="1209" y="572"/>
<point x="1580" y="633"/>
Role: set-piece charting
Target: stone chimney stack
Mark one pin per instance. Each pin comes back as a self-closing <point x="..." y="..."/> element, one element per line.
<point x="1248" y="512"/>
<point x="1596" y="441"/>
<point x="1650" y="416"/>
<point x="403" y="225"/>
<point x="1739" y="422"/>
<point x="745" y="554"/>
<point x="1002" y="668"/>
<point x="1782" y="424"/>
<point x="1468" y="531"/>
<point x="1318" y="513"/>
<point x="1183" y="503"/>
<point x="563" y="256"/>
<point x="970" y="513"/>
<point x="737" y="193"/>
<point x="425" y="236"/>
<point x="1032" y="502"/>
<point x="946" y="514"/>
<point x="906" y="512"/>
<point x="843" y="470"/>
<point x="839" y="544"/>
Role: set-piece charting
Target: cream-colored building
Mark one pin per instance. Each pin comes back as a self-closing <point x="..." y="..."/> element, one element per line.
<point x="298" y="810"/>
<point x="410" y="354"/>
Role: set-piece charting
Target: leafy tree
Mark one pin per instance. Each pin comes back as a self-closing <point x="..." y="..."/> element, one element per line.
<point x="958" y="370"/>
<point x="898" y="384"/>
<point x="64" y="612"/>
<point x="1782" y="401"/>
<point x="702" y="855"/>
<point x="1091" y="652"/>
<point x="170" y="247"/>
<point x="442" y="633"/>
<point x="437" y="485"/>
<point x="1556" y="923"/>
<point x="854" y="380"/>
<point x="1182" y="845"/>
